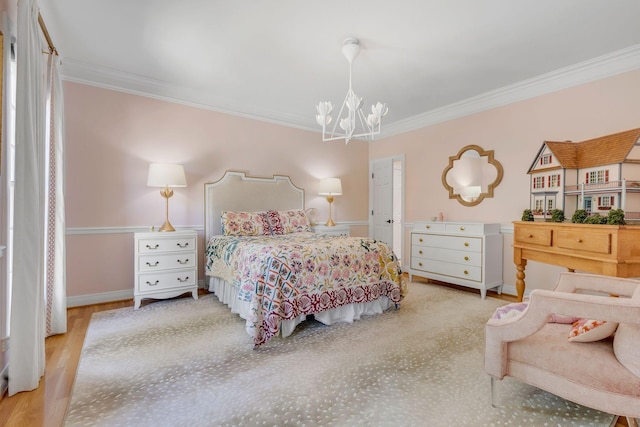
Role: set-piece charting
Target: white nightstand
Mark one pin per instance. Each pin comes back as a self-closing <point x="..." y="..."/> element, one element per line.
<point x="166" y="265"/>
<point x="335" y="230"/>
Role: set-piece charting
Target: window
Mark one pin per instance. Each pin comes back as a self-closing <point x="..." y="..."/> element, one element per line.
<point x="597" y="177"/>
<point x="539" y="205"/>
<point x="554" y="181"/>
<point x="605" y="202"/>
<point x="545" y="159"/>
<point x="550" y="204"/>
<point x="538" y="182"/>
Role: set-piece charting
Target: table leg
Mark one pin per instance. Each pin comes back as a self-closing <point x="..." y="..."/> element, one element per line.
<point x="520" y="285"/>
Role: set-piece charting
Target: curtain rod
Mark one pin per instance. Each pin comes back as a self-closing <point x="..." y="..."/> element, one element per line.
<point x="43" y="27"/>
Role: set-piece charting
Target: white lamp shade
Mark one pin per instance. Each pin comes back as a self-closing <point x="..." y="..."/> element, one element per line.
<point x="330" y="187"/>
<point x="166" y="175"/>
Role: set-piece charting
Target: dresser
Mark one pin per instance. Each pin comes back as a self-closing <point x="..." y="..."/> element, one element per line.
<point x="463" y="253"/>
<point x="609" y="250"/>
<point x="165" y="265"/>
<point x="334" y="230"/>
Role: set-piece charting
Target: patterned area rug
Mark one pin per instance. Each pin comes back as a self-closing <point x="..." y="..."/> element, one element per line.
<point x="191" y="363"/>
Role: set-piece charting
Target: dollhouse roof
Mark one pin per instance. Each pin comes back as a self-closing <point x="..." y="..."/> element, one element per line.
<point x="604" y="150"/>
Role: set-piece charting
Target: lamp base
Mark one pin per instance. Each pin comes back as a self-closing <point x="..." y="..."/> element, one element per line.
<point x="330" y="223"/>
<point x="167" y="227"/>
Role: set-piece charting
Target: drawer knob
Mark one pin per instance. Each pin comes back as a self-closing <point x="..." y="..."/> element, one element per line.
<point x="420" y="240"/>
<point x="183" y="262"/>
<point x="182" y="245"/>
<point x="153" y="284"/>
<point x="427" y="226"/>
<point x="530" y="236"/>
<point x="579" y="240"/>
<point x="466" y="272"/>
<point x="466" y="258"/>
<point x="183" y="280"/>
<point x="155" y="264"/>
<point x="466" y="243"/>
<point x="154" y="247"/>
<point x="462" y="228"/>
<point x="420" y="264"/>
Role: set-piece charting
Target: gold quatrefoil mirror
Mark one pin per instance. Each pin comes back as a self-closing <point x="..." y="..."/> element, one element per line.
<point x="472" y="175"/>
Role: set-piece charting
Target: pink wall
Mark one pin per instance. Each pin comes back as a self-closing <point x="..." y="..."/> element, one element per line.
<point x="515" y="132"/>
<point x="111" y="138"/>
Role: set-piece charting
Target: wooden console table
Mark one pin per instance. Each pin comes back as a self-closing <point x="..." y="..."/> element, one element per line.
<point x="610" y="250"/>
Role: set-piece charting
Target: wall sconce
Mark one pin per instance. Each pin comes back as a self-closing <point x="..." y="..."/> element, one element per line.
<point x="330" y="187"/>
<point x="166" y="175"/>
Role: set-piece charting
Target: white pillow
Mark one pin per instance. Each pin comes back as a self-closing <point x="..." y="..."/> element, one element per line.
<point x="589" y="330"/>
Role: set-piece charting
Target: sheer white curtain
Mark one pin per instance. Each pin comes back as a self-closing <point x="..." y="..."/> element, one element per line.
<point x="27" y="351"/>
<point x="56" y="282"/>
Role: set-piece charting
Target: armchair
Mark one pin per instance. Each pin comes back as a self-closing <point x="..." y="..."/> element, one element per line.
<point x="604" y="374"/>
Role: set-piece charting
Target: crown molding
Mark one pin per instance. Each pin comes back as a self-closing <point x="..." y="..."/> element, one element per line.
<point x="611" y="64"/>
<point x="608" y="65"/>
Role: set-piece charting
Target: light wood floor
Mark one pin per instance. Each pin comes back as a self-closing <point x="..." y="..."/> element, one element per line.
<point x="46" y="405"/>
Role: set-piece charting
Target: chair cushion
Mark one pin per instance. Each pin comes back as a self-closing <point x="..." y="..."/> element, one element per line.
<point x="626" y="346"/>
<point x="592" y="364"/>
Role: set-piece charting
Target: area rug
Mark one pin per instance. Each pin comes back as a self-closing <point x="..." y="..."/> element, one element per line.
<point x="191" y="363"/>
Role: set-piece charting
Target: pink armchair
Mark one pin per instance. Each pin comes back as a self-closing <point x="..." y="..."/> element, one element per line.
<point x="604" y="374"/>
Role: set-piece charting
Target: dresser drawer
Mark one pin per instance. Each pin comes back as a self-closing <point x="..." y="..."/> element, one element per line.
<point x="473" y="244"/>
<point x="579" y="240"/>
<point x="171" y="244"/>
<point x="431" y="227"/>
<point x="168" y="280"/>
<point x="475" y="229"/>
<point x="448" y="255"/>
<point x="468" y="272"/>
<point x="170" y="261"/>
<point x="533" y="236"/>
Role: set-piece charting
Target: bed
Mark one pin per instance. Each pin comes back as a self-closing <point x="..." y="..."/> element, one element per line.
<point x="263" y="260"/>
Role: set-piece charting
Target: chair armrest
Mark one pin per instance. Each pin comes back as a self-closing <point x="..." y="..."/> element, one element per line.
<point x="544" y="303"/>
<point x="572" y="282"/>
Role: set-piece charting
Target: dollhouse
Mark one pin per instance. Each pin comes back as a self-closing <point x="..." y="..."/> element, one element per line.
<point x="595" y="175"/>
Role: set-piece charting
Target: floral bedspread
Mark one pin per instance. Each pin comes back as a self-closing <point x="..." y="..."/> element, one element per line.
<point x="285" y="276"/>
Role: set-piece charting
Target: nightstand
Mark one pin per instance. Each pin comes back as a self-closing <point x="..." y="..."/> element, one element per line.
<point x="335" y="230"/>
<point x="166" y="265"/>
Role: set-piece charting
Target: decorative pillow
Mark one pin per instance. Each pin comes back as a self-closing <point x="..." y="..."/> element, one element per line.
<point x="284" y="222"/>
<point x="561" y="318"/>
<point x="510" y="310"/>
<point x="245" y="224"/>
<point x="626" y="348"/>
<point x="588" y="330"/>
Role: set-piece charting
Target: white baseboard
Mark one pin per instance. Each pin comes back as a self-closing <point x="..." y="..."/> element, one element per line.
<point x="89" y="299"/>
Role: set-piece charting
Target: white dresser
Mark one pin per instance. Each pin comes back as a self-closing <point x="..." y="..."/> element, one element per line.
<point x="463" y="253"/>
<point x="166" y="265"/>
<point x="334" y="230"/>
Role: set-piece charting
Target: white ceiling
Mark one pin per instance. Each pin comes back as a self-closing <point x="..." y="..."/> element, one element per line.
<point x="429" y="60"/>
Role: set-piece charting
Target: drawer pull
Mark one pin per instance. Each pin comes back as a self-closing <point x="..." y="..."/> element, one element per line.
<point x="155" y="247"/>
<point x="579" y="240"/>
<point x="420" y="251"/>
<point x="466" y="258"/>
<point x="427" y="226"/>
<point x="182" y="245"/>
<point x="420" y="240"/>
<point x="153" y="284"/>
<point x="183" y="280"/>
<point x="183" y="262"/>
<point x="462" y="228"/>
<point x="466" y="243"/>
<point x="420" y="264"/>
<point x="466" y="272"/>
<point x="155" y="264"/>
<point x="530" y="236"/>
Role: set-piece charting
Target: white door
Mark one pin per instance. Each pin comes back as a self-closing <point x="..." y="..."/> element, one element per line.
<point x="381" y="184"/>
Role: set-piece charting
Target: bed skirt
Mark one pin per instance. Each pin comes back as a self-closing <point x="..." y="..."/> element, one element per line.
<point x="227" y="294"/>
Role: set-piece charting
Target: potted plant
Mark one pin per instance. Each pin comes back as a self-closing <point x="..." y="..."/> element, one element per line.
<point x="579" y="216"/>
<point x="616" y="217"/>
<point x="527" y="215"/>
<point x="557" y="215"/>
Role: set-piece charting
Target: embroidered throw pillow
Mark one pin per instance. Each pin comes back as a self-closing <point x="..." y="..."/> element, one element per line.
<point x="589" y="330"/>
<point x="285" y="222"/>
<point x="245" y="224"/>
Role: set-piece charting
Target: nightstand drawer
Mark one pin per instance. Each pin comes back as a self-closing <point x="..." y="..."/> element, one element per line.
<point x="171" y="244"/>
<point x="154" y="263"/>
<point x="169" y="280"/>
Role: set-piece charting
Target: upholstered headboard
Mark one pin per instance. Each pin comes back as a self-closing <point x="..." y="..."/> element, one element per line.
<point x="236" y="191"/>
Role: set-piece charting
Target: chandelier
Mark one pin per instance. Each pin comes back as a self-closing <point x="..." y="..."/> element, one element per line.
<point x="351" y="118"/>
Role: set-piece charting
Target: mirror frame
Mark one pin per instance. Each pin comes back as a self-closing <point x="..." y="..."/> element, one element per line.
<point x="491" y="160"/>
